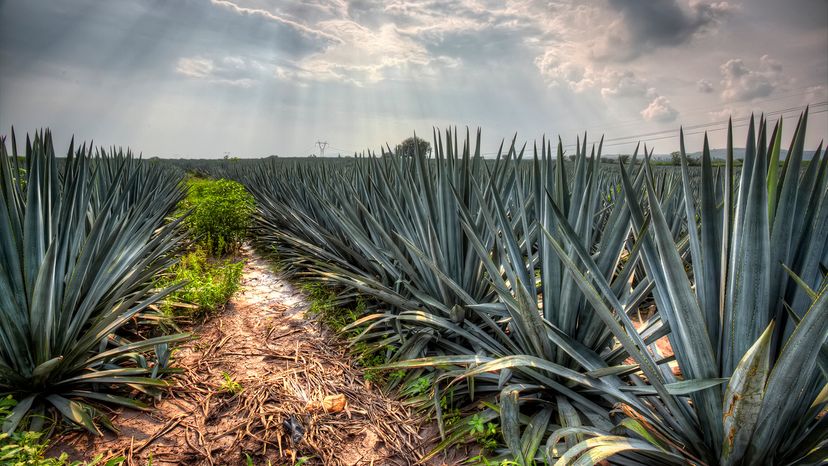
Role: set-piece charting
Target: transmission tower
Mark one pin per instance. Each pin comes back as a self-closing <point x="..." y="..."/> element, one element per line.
<point x="322" y="145"/>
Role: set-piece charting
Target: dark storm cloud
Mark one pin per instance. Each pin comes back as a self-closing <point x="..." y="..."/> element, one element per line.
<point x="658" y="23"/>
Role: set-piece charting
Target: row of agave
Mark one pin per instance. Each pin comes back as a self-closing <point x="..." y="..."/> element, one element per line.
<point x="81" y="239"/>
<point x="512" y="283"/>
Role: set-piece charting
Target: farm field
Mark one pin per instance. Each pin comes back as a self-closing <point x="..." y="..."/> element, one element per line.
<point x="392" y="308"/>
<point x="413" y="233"/>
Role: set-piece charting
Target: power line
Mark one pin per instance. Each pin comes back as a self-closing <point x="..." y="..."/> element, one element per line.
<point x="695" y="110"/>
<point x="689" y="130"/>
<point x="705" y="128"/>
<point x="671" y="133"/>
<point x="716" y="123"/>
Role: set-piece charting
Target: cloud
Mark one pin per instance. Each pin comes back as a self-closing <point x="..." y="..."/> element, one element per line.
<point x="196" y="67"/>
<point x="660" y="110"/>
<point x="704" y="86"/>
<point x="589" y="47"/>
<point x="231" y="71"/>
<point x="558" y="71"/>
<point x="270" y="16"/>
<point x="377" y="68"/>
<point x="740" y="83"/>
<point x="78" y="40"/>
<point x="624" y="84"/>
<point x="729" y="112"/>
<point x="365" y="55"/>
<point x="585" y="77"/>
<point x="816" y="94"/>
<point x="645" y="26"/>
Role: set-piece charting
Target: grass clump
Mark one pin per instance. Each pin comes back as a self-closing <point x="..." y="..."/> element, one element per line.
<point x="324" y="306"/>
<point x="210" y="282"/>
<point x="220" y="213"/>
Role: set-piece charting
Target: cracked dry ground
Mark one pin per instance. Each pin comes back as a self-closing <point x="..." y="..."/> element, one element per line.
<point x="283" y="361"/>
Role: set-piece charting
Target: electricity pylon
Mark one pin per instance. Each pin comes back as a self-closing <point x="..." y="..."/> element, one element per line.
<point x="322" y="145"/>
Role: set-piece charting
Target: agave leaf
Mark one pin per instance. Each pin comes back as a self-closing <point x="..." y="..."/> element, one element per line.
<point x="802" y="284"/>
<point x="534" y="433"/>
<point x="612" y="370"/>
<point x="110" y="398"/>
<point x="743" y="398"/>
<point x="138" y="345"/>
<point x="782" y="228"/>
<point x="746" y="314"/>
<point x="528" y="364"/>
<point x="551" y="450"/>
<point x="821" y="398"/>
<point x="74" y="411"/>
<point x="510" y="422"/>
<point x="794" y="369"/>
<point x="595" y="450"/>
<point x="636" y="426"/>
<point x="17" y="413"/>
<point x="681" y="388"/>
<point x="42" y="371"/>
<point x="595" y="299"/>
<point x="568" y="417"/>
<point x="694" y="352"/>
<point x="773" y="167"/>
<point x="435" y="361"/>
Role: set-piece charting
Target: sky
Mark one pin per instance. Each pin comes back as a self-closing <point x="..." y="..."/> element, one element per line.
<point x="252" y="78"/>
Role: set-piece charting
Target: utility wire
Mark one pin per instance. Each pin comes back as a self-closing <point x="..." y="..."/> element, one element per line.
<point x="689" y="130"/>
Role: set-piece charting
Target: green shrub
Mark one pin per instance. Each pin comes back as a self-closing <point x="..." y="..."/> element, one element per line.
<point x="221" y="213"/>
<point x="209" y="284"/>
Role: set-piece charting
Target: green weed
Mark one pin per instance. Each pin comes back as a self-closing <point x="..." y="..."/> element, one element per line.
<point x="230" y="385"/>
<point x="484" y="433"/>
<point x="209" y="284"/>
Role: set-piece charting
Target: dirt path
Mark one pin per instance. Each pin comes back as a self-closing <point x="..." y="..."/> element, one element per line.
<point x="285" y="365"/>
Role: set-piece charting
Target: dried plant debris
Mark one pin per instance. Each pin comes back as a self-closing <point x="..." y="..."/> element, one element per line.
<point x="265" y="382"/>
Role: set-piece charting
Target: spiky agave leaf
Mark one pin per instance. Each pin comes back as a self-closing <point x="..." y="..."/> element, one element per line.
<point x="757" y="419"/>
<point x="79" y="249"/>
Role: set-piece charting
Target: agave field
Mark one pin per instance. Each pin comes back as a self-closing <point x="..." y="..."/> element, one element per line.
<point x="523" y="294"/>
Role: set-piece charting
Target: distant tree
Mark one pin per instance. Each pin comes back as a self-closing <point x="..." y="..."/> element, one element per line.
<point x="675" y="158"/>
<point x="624" y="158"/>
<point x="408" y="147"/>
<point x="572" y="157"/>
